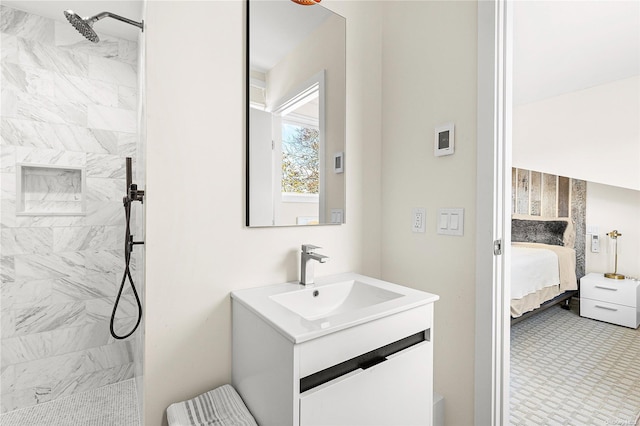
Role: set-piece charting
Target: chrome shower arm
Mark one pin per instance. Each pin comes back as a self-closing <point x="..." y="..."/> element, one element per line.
<point x="102" y="15"/>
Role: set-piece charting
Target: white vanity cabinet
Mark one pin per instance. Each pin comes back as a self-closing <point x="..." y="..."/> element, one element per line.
<point x="376" y="372"/>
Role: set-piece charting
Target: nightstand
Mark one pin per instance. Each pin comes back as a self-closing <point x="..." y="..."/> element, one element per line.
<point x="614" y="301"/>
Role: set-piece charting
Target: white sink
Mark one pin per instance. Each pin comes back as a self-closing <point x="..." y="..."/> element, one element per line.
<point x="333" y="299"/>
<point x="341" y="301"/>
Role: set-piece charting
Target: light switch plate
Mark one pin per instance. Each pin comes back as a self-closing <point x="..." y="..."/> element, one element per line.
<point x="451" y="221"/>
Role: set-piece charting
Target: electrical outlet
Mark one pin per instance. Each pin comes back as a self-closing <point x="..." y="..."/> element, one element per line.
<point x="418" y="219"/>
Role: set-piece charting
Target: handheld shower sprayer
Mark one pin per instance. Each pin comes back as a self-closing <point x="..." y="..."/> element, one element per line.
<point x="132" y="194"/>
<point x="85" y="25"/>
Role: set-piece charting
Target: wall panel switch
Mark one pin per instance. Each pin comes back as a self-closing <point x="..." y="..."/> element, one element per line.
<point x="595" y="243"/>
<point x="418" y="219"/>
<point x="451" y="221"/>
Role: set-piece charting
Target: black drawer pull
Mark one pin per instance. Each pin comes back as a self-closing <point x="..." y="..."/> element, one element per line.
<point x="606" y="308"/>
<point x="370" y="363"/>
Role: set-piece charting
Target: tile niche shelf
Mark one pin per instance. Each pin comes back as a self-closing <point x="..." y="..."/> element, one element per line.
<point x="50" y="190"/>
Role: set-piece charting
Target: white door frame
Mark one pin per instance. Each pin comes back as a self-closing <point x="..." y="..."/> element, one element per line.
<point x="492" y="349"/>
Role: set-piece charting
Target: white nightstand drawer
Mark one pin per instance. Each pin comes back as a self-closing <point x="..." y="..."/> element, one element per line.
<point x="612" y="291"/>
<point x="609" y="312"/>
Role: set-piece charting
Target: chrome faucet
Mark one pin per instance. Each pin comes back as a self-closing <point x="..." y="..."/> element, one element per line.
<point x="306" y="266"/>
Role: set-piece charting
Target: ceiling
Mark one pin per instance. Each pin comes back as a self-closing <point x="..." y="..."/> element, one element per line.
<point x="277" y="27"/>
<point x="54" y="9"/>
<point x="559" y="46"/>
<point x="565" y="46"/>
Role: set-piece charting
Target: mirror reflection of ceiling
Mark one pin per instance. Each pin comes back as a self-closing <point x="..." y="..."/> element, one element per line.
<point x="295" y="22"/>
<point x="565" y="46"/>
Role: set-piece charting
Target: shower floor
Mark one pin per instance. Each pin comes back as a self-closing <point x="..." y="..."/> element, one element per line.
<point x="112" y="405"/>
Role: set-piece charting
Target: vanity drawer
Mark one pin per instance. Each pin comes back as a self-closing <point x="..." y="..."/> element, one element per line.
<point x="619" y="292"/>
<point x="610" y="312"/>
<point x="327" y="351"/>
<point x="373" y="396"/>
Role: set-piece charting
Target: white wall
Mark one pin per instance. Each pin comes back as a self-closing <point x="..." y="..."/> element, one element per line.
<point x="429" y="78"/>
<point x="591" y="134"/>
<point x="198" y="249"/>
<point x="610" y="208"/>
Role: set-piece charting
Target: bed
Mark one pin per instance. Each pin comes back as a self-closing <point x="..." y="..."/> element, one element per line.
<point x="543" y="264"/>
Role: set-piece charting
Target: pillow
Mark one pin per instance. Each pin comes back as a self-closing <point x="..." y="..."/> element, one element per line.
<point x="558" y="231"/>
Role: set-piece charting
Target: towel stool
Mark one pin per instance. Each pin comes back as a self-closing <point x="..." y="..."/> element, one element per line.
<point x="220" y="407"/>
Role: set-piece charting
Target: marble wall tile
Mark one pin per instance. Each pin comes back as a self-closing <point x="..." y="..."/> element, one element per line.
<point x="7" y="159"/>
<point x="52" y="265"/>
<point x="51" y="184"/>
<point x="7" y="213"/>
<point x="26" y="348"/>
<point x="26" y="294"/>
<point x="105" y="166"/>
<point x="110" y="213"/>
<point x="81" y="90"/>
<point x="48" y="221"/>
<point x="107" y="139"/>
<point x="105" y="189"/>
<point x="104" y="261"/>
<point x="26" y="397"/>
<point x="26" y="241"/>
<point x="75" y="339"/>
<point x="68" y="37"/>
<point x="7" y="187"/>
<point x="9" y="105"/>
<point x="50" y="111"/>
<point x="8" y="48"/>
<point x="7" y="324"/>
<point x="51" y="317"/>
<point x="113" y="71"/>
<point x="26" y="25"/>
<point x="127" y="98"/>
<point x="63" y="367"/>
<point x="7" y="269"/>
<point x="128" y="146"/>
<point x="48" y="57"/>
<point x="50" y="157"/>
<point x="7" y="378"/>
<point x="87" y="237"/>
<point x="115" y="119"/>
<point x="37" y="83"/>
<point x="56" y="305"/>
<point x="128" y="51"/>
<point x="93" y="380"/>
<point x="100" y="310"/>
<point x="90" y="286"/>
<point x="55" y="136"/>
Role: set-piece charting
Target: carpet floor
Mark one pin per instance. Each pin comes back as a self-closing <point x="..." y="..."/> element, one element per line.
<point x="569" y="370"/>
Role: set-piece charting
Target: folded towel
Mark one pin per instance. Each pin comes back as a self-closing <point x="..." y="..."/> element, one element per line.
<point x="220" y="407"/>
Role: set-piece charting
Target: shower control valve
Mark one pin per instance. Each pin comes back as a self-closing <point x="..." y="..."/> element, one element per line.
<point x="135" y="194"/>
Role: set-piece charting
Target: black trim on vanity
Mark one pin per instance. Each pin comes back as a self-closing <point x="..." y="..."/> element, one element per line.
<point x="364" y="361"/>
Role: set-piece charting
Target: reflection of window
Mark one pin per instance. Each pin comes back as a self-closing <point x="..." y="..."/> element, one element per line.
<point x="300" y="161"/>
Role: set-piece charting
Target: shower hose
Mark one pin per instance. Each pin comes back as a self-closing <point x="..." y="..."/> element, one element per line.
<point x="128" y="248"/>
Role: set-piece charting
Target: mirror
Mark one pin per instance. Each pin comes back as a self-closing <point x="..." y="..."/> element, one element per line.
<point x="296" y="107"/>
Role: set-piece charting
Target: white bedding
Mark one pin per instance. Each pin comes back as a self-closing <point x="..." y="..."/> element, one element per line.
<point x="532" y="269"/>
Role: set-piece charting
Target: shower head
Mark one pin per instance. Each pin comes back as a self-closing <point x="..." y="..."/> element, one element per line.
<point x="85" y="25"/>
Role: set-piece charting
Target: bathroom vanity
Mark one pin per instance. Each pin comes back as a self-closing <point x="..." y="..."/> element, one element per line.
<point x="348" y="350"/>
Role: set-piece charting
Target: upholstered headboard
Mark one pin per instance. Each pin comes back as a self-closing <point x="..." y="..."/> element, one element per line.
<point x="550" y="209"/>
<point x="535" y="229"/>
